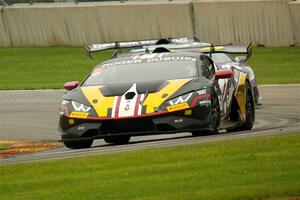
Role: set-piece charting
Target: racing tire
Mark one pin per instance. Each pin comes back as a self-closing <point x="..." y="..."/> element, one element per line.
<point x="79" y="144"/>
<point x="215" y="118"/>
<point x="124" y="139"/>
<point x="250" y="110"/>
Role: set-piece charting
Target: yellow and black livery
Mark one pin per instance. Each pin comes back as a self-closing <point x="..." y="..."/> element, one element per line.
<point x="155" y="93"/>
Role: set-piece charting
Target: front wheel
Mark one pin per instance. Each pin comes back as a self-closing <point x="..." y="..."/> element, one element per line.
<point x="215" y="118"/>
<point x="79" y="144"/>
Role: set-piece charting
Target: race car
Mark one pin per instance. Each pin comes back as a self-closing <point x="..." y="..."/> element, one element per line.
<point x="219" y="54"/>
<point x="223" y="61"/>
<point x="154" y="93"/>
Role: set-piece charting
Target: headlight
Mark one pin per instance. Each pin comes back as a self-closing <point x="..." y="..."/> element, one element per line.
<point x="189" y="97"/>
<point x="67" y="105"/>
<point x="181" y="99"/>
<point x="80" y="107"/>
<point x="186" y="97"/>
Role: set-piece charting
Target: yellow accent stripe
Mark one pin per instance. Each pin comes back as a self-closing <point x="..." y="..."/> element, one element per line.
<point x="103" y="103"/>
<point x="217" y="48"/>
<point x="240" y="96"/>
<point x="154" y="100"/>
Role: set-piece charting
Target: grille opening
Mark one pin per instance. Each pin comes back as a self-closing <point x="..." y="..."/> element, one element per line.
<point x="126" y="126"/>
<point x="129" y="95"/>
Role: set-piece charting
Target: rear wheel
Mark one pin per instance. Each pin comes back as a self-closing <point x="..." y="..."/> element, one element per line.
<point x="250" y="111"/>
<point x="79" y="144"/>
<point x="124" y="139"/>
<point x="215" y="118"/>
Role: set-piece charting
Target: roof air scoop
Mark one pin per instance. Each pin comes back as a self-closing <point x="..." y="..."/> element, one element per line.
<point x="130" y="94"/>
<point x="161" y="50"/>
<point x="163" y="41"/>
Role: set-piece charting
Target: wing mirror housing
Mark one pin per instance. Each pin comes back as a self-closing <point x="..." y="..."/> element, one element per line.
<point x="71" y="85"/>
<point x="223" y="73"/>
<point x="240" y="59"/>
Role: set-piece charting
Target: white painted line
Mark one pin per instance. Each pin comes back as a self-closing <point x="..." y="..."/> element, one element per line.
<point x="279" y="85"/>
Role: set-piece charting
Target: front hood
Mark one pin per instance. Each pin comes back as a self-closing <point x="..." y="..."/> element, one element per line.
<point x="131" y="100"/>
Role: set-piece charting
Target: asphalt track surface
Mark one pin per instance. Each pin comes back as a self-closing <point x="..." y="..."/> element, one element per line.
<point x="33" y="115"/>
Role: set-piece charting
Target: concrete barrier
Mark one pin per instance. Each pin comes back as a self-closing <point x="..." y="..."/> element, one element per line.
<point x="4" y="35"/>
<point x="131" y="21"/>
<point x="49" y="24"/>
<point x="267" y="22"/>
<point x="295" y="16"/>
<point x="70" y="24"/>
<point x="264" y="22"/>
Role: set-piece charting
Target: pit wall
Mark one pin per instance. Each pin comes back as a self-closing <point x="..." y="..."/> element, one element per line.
<point x="268" y="22"/>
<point x="261" y="22"/>
<point x="295" y="17"/>
<point x="4" y="35"/>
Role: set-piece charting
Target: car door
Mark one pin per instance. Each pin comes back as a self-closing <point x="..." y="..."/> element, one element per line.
<point x="223" y="87"/>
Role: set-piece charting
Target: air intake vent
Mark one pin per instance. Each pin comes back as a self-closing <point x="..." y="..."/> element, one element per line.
<point x="129" y="95"/>
<point x="160" y="50"/>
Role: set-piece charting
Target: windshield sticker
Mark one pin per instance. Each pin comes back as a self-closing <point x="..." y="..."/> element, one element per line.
<point x="150" y="60"/>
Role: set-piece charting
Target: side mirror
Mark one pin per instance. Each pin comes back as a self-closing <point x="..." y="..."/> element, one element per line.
<point x="240" y="59"/>
<point x="71" y="85"/>
<point x="223" y="73"/>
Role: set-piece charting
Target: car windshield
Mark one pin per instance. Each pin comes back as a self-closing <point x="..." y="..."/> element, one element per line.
<point x="221" y="58"/>
<point x="140" y="72"/>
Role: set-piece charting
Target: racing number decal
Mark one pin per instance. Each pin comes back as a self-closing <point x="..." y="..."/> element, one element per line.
<point x="128" y="106"/>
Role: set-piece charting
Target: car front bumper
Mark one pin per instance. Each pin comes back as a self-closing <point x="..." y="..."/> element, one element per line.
<point x="187" y="120"/>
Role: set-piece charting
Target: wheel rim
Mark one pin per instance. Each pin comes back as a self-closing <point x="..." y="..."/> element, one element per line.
<point x="250" y="107"/>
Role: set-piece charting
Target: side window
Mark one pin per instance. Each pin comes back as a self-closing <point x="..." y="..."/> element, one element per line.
<point x="207" y="67"/>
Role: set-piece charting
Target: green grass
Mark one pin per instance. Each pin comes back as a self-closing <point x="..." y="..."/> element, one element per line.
<point x="44" y="67"/>
<point x="4" y="147"/>
<point x="260" y="167"/>
<point x="276" y="65"/>
<point x="50" y="67"/>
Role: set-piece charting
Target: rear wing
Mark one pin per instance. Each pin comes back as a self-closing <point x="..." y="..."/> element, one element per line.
<point x="198" y="47"/>
<point x="230" y="49"/>
<point x="92" y="48"/>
